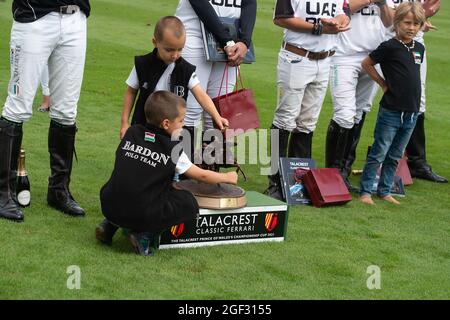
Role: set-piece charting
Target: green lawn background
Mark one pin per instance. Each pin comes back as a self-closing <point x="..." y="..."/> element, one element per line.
<point x="327" y="251"/>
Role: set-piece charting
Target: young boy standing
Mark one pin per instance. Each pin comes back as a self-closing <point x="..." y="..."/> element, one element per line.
<point x="400" y="59"/>
<point x="164" y="69"/>
<point x="139" y="195"/>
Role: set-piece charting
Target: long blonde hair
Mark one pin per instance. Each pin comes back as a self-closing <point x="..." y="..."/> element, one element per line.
<point x="406" y="7"/>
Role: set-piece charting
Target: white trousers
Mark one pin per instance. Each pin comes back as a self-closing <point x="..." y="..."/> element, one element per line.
<point x="423" y="80"/>
<point x="60" y="40"/>
<point x="302" y="86"/>
<point x="210" y="76"/>
<point x="44" y="82"/>
<point x="352" y="90"/>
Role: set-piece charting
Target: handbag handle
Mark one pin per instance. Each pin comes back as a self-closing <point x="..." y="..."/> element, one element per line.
<point x="238" y="76"/>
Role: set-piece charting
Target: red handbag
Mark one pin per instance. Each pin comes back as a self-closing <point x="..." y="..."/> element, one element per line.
<point x="326" y="187"/>
<point x="238" y="107"/>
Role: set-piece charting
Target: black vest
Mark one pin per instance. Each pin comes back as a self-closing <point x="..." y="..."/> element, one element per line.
<point x="32" y="10"/>
<point x="149" y="69"/>
<point x="139" y="193"/>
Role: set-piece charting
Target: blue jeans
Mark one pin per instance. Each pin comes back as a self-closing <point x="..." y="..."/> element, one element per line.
<point x="392" y="132"/>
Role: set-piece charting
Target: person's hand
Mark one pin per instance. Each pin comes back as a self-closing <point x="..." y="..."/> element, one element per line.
<point x="431" y="7"/>
<point x="236" y="54"/>
<point x="123" y="129"/>
<point x="332" y="26"/>
<point x="225" y="124"/>
<point x="345" y="23"/>
<point x="428" y="26"/>
<point x="232" y="177"/>
<point x="384" y="88"/>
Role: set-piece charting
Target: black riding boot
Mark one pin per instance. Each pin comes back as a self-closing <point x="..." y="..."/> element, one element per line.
<point x="274" y="188"/>
<point x="300" y="145"/>
<point x="416" y="152"/>
<point x="354" y="136"/>
<point x="336" y="146"/>
<point x="10" y="142"/>
<point x="61" y="145"/>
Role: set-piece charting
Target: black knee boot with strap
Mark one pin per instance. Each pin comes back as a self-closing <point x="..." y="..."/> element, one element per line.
<point x="300" y="145"/>
<point x="274" y="188"/>
<point x="10" y="142"/>
<point x="336" y="146"/>
<point x="61" y="146"/>
<point x="416" y="152"/>
<point x="354" y="136"/>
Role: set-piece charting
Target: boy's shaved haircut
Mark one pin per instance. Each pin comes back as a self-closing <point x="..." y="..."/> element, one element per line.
<point x="406" y="7"/>
<point x="161" y="105"/>
<point x="171" y="23"/>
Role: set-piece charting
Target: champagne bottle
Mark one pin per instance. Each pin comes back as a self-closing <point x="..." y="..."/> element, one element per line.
<point x="23" y="184"/>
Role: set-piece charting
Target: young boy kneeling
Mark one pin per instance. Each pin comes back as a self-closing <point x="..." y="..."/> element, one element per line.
<point x="400" y="59"/>
<point x="139" y="195"/>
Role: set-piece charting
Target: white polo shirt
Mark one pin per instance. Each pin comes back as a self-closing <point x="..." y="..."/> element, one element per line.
<point x="311" y="11"/>
<point x="185" y="12"/>
<point x="163" y="82"/>
<point x="366" y="32"/>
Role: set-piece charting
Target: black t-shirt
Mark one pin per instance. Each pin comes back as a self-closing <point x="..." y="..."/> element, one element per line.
<point x="32" y="10"/>
<point x="401" y="69"/>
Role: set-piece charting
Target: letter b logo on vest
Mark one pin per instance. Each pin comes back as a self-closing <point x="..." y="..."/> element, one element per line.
<point x="179" y="91"/>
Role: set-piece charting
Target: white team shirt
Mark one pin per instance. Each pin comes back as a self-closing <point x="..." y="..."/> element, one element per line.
<point x="309" y="10"/>
<point x="366" y="32"/>
<point x="390" y="31"/>
<point x="185" y="12"/>
<point x="163" y="82"/>
<point x="183" y="164"/>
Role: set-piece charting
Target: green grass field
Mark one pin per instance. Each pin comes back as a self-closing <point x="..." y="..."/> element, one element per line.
<point x="327" y="251"/>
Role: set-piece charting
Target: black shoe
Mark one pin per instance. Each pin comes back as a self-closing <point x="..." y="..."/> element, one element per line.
<point x="274" y="191"/>
<point x="427" y="174"/>
<point x="11" y="211"/>
<point x="64" y="202"/>
<point x="144" y="243"/>
<point x="274" y="188"/>
<point x="105" y="231"/>
<point x="350" y="187"/>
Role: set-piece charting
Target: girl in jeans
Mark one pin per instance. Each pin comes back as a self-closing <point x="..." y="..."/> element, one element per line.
<point x="400" y="59"/>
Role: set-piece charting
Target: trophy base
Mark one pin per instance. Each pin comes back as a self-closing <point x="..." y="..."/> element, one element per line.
<point x="262" y="219"/>
<point x="214" y="196"/>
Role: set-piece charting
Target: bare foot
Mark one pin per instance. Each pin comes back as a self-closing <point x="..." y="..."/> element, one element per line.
<point x="390" y="199"/>
<point x="366" y="199"/>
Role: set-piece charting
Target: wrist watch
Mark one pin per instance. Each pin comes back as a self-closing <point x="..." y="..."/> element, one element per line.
<point x="229" y="44"/>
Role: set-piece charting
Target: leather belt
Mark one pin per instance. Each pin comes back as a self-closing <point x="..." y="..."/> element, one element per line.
<point x="308" y="54"/>
<point x="70" y="9"/>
